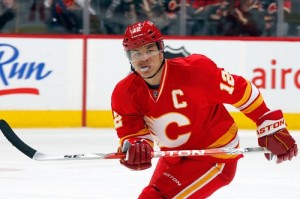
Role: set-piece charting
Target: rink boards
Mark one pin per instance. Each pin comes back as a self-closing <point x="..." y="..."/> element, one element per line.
<point x="67" y="81"/>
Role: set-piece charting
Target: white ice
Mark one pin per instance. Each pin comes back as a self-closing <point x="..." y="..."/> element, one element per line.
<point x="24" y="178"/>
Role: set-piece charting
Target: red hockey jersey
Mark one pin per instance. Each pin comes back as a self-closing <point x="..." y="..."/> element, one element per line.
<point x="187" y="111"/>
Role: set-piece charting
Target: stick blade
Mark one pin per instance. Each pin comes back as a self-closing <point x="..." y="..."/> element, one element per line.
<point x="15" y="140"/>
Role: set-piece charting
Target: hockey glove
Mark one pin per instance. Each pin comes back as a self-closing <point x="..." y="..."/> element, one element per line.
<point x="138" y="154"/>
<point x="273" y="135"/>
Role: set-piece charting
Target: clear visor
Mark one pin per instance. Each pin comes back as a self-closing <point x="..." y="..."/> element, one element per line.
<point x="142" y="55"/>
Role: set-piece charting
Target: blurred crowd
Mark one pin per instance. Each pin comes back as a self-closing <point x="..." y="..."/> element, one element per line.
<point x="201" y="17"/>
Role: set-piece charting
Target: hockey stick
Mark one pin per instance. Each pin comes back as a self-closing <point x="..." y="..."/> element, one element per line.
<point x="36" y="155"/>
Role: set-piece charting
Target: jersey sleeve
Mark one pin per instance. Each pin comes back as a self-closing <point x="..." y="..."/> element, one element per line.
<point x="128" y="121"/>
<point x="223" y="87"/>
<point x="247" y="98"/>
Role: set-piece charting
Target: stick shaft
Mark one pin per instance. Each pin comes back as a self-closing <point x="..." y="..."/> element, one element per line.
<point x="209" y="152"/>
<point x="36" y="155"/>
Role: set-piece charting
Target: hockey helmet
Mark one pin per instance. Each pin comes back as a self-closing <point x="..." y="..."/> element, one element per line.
<point x="142" y="33"/>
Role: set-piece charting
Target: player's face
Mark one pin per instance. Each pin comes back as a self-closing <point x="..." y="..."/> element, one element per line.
<point x="146" y="60"/>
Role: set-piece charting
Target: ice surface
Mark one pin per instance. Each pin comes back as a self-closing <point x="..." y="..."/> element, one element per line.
<point x="23" y="178"/>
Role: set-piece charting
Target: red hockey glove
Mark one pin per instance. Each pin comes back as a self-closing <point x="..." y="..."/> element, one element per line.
<point x="273" y="135"/>
<point x="138" y="154"/>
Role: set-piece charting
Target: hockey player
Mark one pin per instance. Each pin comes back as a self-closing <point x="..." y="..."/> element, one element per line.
<point x="178" y="104"/>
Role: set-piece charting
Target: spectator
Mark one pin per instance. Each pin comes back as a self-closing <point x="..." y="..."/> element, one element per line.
<point x="201" y="15"/>
<point x="216" y="17"/>
<point x="172" y="8"/>
<point x="8" y="12"/>
<point x="244" y="19"/>
<point x="37" y="5"/>
<point x="112" y="26"/>
<point x="155" y="11"/>
<point x="95" y="22"/>
<point x="197" y="12"/>
<point x="62" y="15"/>
<point x="270" y="17"/>
<point x="119" y="14"/>
<point x="130" y="12"/>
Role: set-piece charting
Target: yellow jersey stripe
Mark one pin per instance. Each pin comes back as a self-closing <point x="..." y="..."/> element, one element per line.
<point x="254" y="105"/>
<point x="246" y="96"/>
<point x="226" y="138"/>
<point x="201" y="182"/>
<point x="254" y="94"/>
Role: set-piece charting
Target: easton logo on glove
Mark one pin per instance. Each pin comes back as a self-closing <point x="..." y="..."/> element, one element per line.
<point x="270" y="126"/>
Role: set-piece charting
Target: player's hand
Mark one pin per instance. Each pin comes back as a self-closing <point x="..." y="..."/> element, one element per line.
<point x="273" y="135"/>
<point x="138" y="154"/>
